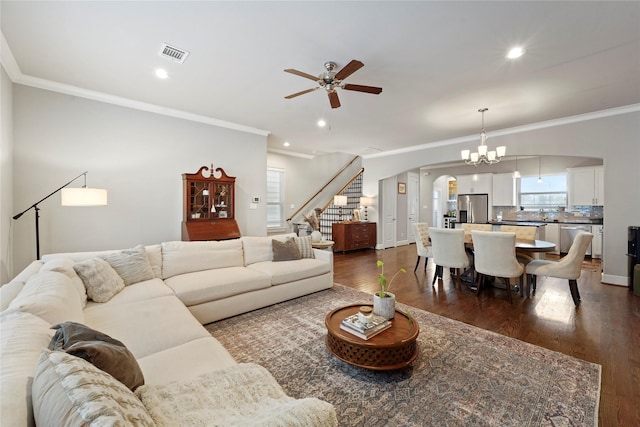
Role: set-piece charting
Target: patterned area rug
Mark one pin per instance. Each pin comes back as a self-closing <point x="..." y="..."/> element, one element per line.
<point x="463" y="376"/>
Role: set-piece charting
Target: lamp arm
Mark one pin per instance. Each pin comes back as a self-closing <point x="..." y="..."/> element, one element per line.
<point x="35" y="205"/>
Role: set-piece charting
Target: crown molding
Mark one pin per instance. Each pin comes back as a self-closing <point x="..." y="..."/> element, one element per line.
<point x="290" y="153"/>
<point x="15" y="74"/>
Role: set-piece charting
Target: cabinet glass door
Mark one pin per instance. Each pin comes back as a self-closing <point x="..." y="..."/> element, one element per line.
<point x="199" y="200"/>
<point x="223" y="201"/>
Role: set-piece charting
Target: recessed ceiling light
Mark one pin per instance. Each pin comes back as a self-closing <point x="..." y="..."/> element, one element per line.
<point x="161" y="73"/>
<point x="286" y="144"/>
<point x="516" y="52"/>
<point x="322" y="123"/>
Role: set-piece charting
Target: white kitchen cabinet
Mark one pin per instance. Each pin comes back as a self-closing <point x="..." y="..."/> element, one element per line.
<point x="552" y="234"/>
<point x="596" y="243"/>
<point x="586" y="186"/>
<point x="504" y="190"/>
<point x="466" y="184"/>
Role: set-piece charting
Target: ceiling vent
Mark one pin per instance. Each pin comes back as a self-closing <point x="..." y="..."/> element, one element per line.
<point x="173" y="53"/>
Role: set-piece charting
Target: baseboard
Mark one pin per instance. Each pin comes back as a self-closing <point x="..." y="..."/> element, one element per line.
<point x="610" y="279"/>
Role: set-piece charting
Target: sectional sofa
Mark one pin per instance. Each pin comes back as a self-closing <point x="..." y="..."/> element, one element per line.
<point x="154" y="300"/>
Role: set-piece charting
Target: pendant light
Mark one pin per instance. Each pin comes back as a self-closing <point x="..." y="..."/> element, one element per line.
<point x="516" y="173"/>
<point x="539" y="174"/>
<point x="483" y="155"/>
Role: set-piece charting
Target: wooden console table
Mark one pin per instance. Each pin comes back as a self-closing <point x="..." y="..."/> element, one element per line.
<point x="348" y="236"/>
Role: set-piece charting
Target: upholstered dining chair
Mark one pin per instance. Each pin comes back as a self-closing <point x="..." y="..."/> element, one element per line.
<point x="448" y="251"/>
<point x="423" y="244"/>
<point x="569" y="267"/>
<point x="495" y="255"/>
<point x="523" y="232"/>
<point x="469" y="227"/>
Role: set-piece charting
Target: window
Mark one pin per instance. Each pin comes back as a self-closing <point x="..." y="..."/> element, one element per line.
<point x="275" y="198"/>
<point x="551" y="193"/>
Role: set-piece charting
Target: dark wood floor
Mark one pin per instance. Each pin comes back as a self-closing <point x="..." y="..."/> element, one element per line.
<point x="605" y="329"/>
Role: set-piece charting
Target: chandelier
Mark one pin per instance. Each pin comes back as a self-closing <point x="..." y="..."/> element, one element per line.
<point x="483" y="155"/>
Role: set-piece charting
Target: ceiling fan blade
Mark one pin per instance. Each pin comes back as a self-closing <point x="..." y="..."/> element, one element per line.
<point x="301" y="74"/>
<point x="301" y="93"/>
<point x="361" y="88"/>
<point x="333" y="100"/>
<point x="349" y="69"/>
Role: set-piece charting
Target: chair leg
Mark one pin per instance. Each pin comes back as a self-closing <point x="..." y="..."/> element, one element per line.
<point x="573" y="287"/>
<point x="426" y="261"/>
<point x="521" y="280"/>
<point x="528" y="285"/>
<point x="417" y="263"/>
<point x="479" y="283"/>
<point x="435" y="275"/>
<point x="509" y="297"/>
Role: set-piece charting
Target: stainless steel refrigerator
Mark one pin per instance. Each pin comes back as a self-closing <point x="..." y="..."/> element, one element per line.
<point x="473" y="208"/>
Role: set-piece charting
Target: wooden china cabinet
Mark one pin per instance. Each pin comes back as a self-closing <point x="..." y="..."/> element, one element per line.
<point x="209" y="205"/>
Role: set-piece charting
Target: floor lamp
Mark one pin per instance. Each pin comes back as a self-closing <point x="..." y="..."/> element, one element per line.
<point x="70" y="197"/>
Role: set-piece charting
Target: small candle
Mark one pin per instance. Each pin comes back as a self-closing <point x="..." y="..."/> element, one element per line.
<point x="365" y="314"/>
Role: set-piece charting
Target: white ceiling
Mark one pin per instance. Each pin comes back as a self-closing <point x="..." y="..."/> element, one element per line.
<point x="437" y="62"/>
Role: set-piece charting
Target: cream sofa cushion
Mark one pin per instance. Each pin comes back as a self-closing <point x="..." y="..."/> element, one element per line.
<point x="258" y="249"/>
<point x="65" y="266"/>
<point x="22" y="336"/>
<point x="141" y="291"/>
<point x="291" y="271"/>
<point x="154" y="254"/>
<point x="51" y="296"/>
<point x="187" y="257"/>
<point x="202" y="286"/>
<point x="8" y="293"/>
<point x="69" y="391"/>
<point x="146" y="326"/>
<point x="195" y="358"/>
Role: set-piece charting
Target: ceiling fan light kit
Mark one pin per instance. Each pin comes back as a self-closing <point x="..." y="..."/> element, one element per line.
<point x="331" y="80"/>
<point x="483" y="155"/>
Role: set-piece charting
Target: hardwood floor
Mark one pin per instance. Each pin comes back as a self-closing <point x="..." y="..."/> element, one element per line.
<point x="605" y="329"/>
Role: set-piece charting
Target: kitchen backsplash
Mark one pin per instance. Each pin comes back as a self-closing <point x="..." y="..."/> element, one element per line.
<point x="576" y="213"/>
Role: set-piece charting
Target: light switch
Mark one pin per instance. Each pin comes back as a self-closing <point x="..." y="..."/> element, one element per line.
<point x="253" y="206"/>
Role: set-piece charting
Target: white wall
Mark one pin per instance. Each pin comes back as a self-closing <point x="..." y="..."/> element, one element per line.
<point x="6" y="174"/>
<point x="139" y="157"/>
<point x="615" y="139"/>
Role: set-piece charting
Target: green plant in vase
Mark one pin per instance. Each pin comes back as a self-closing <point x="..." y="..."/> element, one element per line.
<point x="382" y="280"/>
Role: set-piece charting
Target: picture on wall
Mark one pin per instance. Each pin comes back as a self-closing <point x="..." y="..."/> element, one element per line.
<point x="402" y="188"/>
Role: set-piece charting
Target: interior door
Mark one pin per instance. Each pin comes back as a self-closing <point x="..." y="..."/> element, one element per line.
<point x="389" y="210"/>
<point x="413" y="202"/>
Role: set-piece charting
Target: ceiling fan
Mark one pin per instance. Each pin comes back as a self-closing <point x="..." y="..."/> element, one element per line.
<point x="330" y="80"/>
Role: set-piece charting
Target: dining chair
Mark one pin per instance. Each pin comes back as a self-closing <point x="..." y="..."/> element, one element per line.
<point x="495" y="256"/>
<point x="423" y="244"/>
<point x="469" y="227"/>
<point x="448" y="250"/>
<point x="569" y="267"/>
<point x="523" y="232"/>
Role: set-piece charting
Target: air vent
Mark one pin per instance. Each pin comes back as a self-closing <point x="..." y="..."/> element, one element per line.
<point x="173" y="53"/>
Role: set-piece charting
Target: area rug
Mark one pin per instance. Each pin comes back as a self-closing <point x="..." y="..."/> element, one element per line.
<point x="463" y="376"/>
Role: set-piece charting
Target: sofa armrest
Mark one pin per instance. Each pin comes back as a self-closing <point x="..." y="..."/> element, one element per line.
<point x="324" y="255"/>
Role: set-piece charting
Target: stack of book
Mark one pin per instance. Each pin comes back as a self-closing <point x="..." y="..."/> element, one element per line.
<point x="365" y="331"/>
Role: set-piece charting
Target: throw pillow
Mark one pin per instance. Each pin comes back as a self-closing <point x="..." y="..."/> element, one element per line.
<point x="70" y="391"/>
<point x="285" y="251"/>
<point x="304" y="246"/>
<point x="100" y="279"/>
<point x="99" y="349"/>
<point x="131" y="264"/>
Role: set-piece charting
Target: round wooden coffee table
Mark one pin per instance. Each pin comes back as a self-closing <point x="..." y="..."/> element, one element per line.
<point x="393" y="348"/>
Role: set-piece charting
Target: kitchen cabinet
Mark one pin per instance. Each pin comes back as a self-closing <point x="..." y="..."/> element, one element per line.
<point x="586" y="186"/>
<point x="466" y="185"/>
<point x="552" y="234"/>
<point x="596" y="243"/>
<point x="504" y="190"/>
<point x="348" y="236"/>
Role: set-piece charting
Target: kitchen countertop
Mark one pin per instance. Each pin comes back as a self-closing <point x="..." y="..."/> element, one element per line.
<point x="585" y="221"/>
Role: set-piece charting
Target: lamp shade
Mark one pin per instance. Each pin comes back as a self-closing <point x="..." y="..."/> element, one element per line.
<point x="84" y="197"/>
<point x="366" y="201"/>
<point x="340" y="200"/>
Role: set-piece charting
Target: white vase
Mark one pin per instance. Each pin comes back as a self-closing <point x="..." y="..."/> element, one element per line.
<point x="316" y="236"/>
<point x="385" y="307"/>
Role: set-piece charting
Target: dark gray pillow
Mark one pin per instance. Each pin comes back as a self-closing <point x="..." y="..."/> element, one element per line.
<point x="99" y="349"/>
<point x="285" y="251"/>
